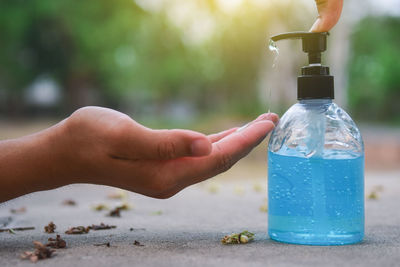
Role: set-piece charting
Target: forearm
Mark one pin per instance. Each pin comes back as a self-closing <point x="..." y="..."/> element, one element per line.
<point x="31" y="163"/>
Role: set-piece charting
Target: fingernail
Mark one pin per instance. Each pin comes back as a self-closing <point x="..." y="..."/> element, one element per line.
<point x="268" y="116"/>
<point x="200" y="147"/>
<point x="315" y="27"/>
<point x="273" y="117"/>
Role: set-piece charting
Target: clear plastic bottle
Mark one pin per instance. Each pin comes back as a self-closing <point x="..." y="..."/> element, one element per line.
<point x="316" y="176"/>
<point x="315" y="161"/>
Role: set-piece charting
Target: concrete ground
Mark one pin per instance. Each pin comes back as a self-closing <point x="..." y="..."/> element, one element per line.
<point x="186" y="229"/>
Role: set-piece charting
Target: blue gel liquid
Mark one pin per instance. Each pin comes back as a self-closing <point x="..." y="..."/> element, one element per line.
<point x="315" y="201"/>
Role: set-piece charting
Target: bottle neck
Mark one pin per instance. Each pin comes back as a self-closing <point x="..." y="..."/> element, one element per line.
<point x="316" y="102"/>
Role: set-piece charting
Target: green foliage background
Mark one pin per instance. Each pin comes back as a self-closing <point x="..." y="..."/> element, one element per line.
<point x="136" y="60"/>
<point x="374" y="70"/>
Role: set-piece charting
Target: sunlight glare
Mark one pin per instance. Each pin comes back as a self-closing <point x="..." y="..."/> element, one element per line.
<point x="197" y="24"/>
<point x="151" y="5"/>
<point x="229" y="5"/>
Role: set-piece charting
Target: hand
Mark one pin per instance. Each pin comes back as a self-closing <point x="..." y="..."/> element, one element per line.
<point x="328" y="15"/>
<point x="103" y="146"/>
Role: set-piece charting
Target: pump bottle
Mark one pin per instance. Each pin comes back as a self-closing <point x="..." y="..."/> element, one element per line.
<point x="315" y="162"/>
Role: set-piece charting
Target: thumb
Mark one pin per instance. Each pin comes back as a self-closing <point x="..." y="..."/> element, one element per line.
<point x="170" y="144"/>
<point x="328" y="15"/>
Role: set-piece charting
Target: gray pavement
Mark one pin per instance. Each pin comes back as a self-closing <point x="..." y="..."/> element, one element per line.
<point x="186" y="229"/>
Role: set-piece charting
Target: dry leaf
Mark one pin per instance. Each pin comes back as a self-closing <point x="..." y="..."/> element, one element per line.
<point x="56" y="242"/>
<point x="264" y="208"/>
<point x="40" y="252"/>
<point x="373" y="195"/>
<point x="69" y="202"/>
<point x="50" y="228"/>
<point x="241" y="238"/>
<point x="115" y="213"/>
<point x="213" y="188"/>
<point x="120" y="194"/>
<point x="18" y="211"/>
<point x="77" y="230"/>
<point x="258" y="188"/>
<point x="100" y="207"/>
<point x="124" y="206"/>
<point x="137" y="243"/>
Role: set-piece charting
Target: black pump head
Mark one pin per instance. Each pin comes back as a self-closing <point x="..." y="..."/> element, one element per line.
<point x="315" y="81"/>
<point x="313" y="43"/>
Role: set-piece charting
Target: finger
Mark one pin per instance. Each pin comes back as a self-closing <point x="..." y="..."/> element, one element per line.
<point x="225" y="153"/>
<point x="170" y="144"/>
<point x="218" y="136"/>
<point x="265" y="116"/>
<point x="329" y="13"/>
<point x="134" y="142"/>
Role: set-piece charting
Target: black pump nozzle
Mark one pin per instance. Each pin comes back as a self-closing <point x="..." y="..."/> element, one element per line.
<point x="313" y="43"/>
<point x="315" y="81"/>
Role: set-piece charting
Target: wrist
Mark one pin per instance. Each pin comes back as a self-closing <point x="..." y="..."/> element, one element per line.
<point x="61" y="154"/>
<point x="31" y="163"/>
<point x="57" y="162"/>
<point x="47" y="158"/>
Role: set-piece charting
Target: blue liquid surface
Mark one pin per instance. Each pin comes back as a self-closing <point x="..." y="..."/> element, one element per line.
<point x="315" y="201"/>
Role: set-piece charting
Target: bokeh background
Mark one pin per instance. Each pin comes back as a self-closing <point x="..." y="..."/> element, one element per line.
<point x="198" y="64"/>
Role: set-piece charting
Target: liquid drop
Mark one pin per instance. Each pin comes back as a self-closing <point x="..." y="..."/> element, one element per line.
<point x="273" y="48"/>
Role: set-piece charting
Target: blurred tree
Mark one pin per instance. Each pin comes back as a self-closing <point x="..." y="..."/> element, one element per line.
<point x="129" y="53"/>
<point x="374" y="80"/>
<point x="83" y="45"/>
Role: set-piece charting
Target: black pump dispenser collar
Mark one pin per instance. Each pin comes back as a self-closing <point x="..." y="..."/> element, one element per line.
<point x="315" y="81"/>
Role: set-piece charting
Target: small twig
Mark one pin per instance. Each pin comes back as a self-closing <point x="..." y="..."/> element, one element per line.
<point x="158" y="212"/>
<point x="137" y="243"/>
<point x="102" y="226"/>
<point x="69" y="202"/>
<point x="16" y="229"/>
<point x="103" y="244"/>
<point x="137" y="229"/>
